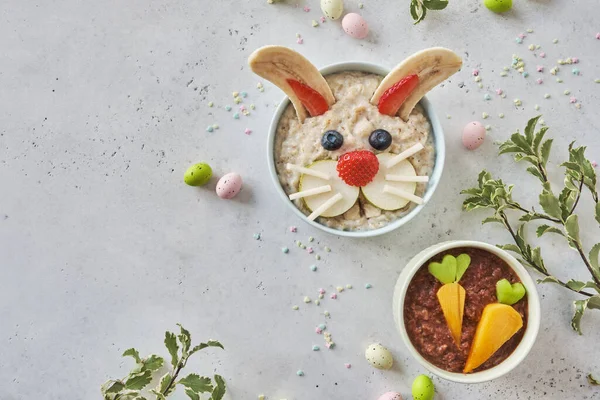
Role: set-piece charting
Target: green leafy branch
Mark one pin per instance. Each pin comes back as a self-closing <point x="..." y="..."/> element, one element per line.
<point x="180" y="349"/>
<point x="559" y="210"/>
<point x="418" y="8"/>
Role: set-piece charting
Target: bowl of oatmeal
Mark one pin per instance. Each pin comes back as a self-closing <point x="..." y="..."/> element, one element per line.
<point x="300" y="143"/>
<point x="420" y="312"/>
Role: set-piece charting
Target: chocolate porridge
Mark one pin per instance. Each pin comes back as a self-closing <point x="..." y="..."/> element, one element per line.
<point x="424" y="319"/>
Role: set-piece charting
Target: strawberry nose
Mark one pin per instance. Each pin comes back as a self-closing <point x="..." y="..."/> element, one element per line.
<point x="358" y="168"/>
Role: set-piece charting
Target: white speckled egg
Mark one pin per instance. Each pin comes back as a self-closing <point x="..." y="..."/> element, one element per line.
<point x="332" y="9"/>
<point x="355" y="26"/>
<point x="391" y="396"/>
<point x="229" y="186"/>
<point x="473" y="135"/>
<point x="378" y="356"/>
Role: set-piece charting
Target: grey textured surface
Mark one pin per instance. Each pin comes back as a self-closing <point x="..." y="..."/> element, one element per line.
<point x="102" y="247"/>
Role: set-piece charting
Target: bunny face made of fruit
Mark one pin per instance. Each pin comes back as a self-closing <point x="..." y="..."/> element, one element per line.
<point x="331" y="184"/>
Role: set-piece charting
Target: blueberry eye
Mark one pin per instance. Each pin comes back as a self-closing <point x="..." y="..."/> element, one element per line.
<point x="380" y="139"/>
<point x="332" y="140"/>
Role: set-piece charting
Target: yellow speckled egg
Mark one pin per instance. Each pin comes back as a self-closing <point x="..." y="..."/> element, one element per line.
<point x="378" y="356"/>
<point x="333" y="9"/>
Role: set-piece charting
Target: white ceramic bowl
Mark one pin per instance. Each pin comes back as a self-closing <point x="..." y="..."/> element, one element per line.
<point x="438" y="143"/>
<point x="533" y="319"/>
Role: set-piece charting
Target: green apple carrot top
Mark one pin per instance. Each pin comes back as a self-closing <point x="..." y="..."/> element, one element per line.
<point x="452" y="295"/>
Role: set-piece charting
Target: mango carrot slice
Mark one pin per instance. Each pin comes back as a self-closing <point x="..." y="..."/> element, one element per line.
<point x="452" y="299"/>
<point x="498" y="323"/>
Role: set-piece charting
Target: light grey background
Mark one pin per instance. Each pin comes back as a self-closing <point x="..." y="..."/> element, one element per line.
<point x="103" y="105"/>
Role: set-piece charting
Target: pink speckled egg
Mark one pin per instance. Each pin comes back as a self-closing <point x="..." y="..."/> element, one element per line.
<point x="355" y="26"/>
<point x="229" y="185"/>
<point x="473" y="135"/>
<point x="391" y="396"/>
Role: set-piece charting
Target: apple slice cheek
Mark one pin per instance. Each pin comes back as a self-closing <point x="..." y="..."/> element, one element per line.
<point x="311" y="99"/>
<point x="392" y="99"/>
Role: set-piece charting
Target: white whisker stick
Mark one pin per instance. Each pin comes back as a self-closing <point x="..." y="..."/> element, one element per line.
<point x="310" y="192"/>
<point x="325" y="206"/>
<point x="404" y="155"/>
<point x="406" y="178"/>
<point x="402" y="193"/>
<point x="307" y="171"/>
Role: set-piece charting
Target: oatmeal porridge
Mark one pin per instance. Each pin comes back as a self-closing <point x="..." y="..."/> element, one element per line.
<point x="355" y="118"/>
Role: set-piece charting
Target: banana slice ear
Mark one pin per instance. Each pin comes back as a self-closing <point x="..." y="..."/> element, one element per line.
<point x="296" y="76"/>
<point x="431" y="66"/>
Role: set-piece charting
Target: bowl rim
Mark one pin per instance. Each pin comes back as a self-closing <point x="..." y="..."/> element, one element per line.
<point x="533" y="318"/>
<point x="436" y="174"/>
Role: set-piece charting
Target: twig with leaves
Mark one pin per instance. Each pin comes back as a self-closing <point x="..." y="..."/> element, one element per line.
<point x="180" y="349"/>
<point x="557" y="210"/>
<point x="418" y="8"/>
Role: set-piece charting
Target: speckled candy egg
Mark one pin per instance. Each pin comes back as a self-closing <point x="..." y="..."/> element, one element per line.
<point x="498" y="6"/>
<point x="422" y="388"/>
<point x="355" y="26"/>
<point x="229" y="186"/>
<point x="391" y="396"/>
<point x="332" y="9"/>
<point x="473" y="135"/>
<point x="379" y="357"/>
<point x="198" y="174"/>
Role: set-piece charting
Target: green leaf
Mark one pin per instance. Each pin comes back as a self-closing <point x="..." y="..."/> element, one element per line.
<point x="153" y="362"/>
<point x="171" y="344"/>
<point x="580" y="307"/>
<point x="219" y="390"/>
<point x="520" y="237"/>
<point x="413" y="10"/>
<point x="530" y="217"/>
<point x="112" y="387"/>
<point x="536" y="172"/>
<point x="191" y="394"/>
<point x="536" y="256"/>
<point x="549" y="279"/>
<point x="594" y="259"/>
<point x="509" y="147"/>
<point x="197" y="383"/>
<point x="592" y="380"/>
<point x="598" y="212"/>
<point x="473" y="203"/>
<point x="538" y="138"/>
<point x="522" y="142"/>
<point x="210" y="343"/>
<point x="132" y="353"/>
<point x="578" y="286"/>
<point x="159" y="396"/>
<point x="164" y="383"/>
<point x="530" y="159"/>
<point x="530" y="128"/>
<point x="138" y="381"/>
<point x="545" y="153"/>
<point x="483" y="177"/>
<point x="510" y="247"/>
<point x="542" y="229"/>
<point x="472" y="191"/>
<point x="422" y="15"/>
<point x="570" y="184"/>
<point x="435" y="4"/>
<point x="492" y="219"/>
<point x="572" y="228"/>
<point x="185" y="338"/>
<point x="127" y="395"/>
<point x="550" y="204"/>
<point x="567" y="200"/>
<point x="573" y="166"/>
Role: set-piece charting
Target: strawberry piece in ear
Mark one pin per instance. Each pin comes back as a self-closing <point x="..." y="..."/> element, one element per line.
<point x="310" y="98"/>
<point x="392" y="99"/>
